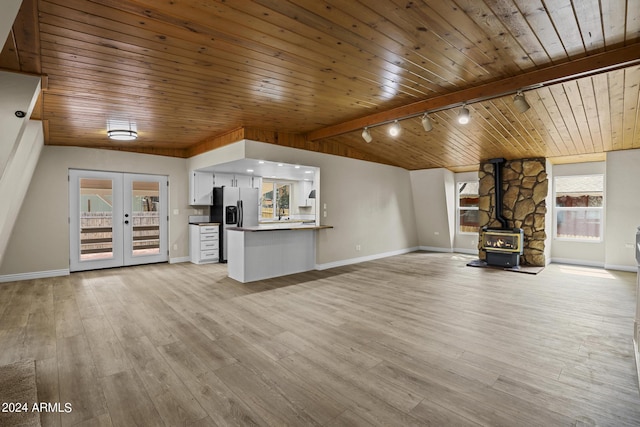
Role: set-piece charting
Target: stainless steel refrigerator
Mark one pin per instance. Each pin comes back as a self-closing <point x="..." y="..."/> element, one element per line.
<point x="233" y="207"/>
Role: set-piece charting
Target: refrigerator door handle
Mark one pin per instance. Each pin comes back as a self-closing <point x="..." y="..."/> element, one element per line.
<point x="240" y="213"/>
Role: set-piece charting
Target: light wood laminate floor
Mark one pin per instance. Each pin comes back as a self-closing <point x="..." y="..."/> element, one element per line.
<point x="417" y="339"/>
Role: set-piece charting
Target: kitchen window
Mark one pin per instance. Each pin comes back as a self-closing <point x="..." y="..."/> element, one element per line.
<point x="467" y="207"/>
<point x="579" y="202"/>
<point x="275" y="200"/>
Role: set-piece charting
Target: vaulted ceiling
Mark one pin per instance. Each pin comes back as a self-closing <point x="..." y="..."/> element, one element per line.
<point x="191" y="74"/>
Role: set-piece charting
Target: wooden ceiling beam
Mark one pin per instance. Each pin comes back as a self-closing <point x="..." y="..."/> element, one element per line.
<point x="583" y="67"/>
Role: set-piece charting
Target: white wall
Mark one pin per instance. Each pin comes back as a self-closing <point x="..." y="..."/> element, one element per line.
<point x="463" y="242"/>
<point x="39" y="243"/>
<point x="20" y="143"/>
<point x="583" y="253"/>
<point x="548" y="217"/>
<point x="7" y="17"/>
<point x="15" y="181"/>
<point x="433" y="198"/>
<point x="369" y="204"/>
<point x="622" y="198"/>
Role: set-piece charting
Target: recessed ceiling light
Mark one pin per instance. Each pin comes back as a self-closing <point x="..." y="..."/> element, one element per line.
<point x="308" y="171"/>
<point x="261" y="162"/>
<point x="280" y="164"/>
<point x="297" y="166"/>
<point x="249" y="170"/>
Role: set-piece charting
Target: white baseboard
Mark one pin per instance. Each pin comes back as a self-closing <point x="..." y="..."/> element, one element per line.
<point x="179" y="260"/>
<point x="466" y="251"/>
<point x="435" y="249"/>
<point x="581" y="262"/>
<point x="358" y="260"/>
<point x="34" y="275"/>
<point x="584" y="263"/>
<point x="631" y="268"/>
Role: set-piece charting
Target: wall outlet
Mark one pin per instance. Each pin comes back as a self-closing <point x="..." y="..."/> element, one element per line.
<point x="629" y="245"/>
<point x="324" y="214"/>
<point x="176" y="212"/>
<point x="437" y="233"/>
<point x="175" y="247"/>
<point x="357" y="247"/>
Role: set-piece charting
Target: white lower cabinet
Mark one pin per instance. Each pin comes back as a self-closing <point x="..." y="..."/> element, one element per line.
<point x="204" y="243"/>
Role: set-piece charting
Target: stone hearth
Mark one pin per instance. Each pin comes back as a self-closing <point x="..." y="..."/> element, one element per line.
<point x="525" y="187"/>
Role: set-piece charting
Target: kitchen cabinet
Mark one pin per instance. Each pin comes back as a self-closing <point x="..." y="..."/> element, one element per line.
<point x="232" y="180"/>
<point x="304" y="188"/>
<point x="257" y="183"/>
<point x="243" y="181"/>
<point x="200" y="188"/>
<point x="223" y="180"/>
<point x="204" y="243"/>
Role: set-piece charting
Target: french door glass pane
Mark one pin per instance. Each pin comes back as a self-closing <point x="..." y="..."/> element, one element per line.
<point x="145" y="218"/>
<point x="96" y="219"/>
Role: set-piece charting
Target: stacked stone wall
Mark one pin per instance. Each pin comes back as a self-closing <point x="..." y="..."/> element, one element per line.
<point x="525" y="187"/>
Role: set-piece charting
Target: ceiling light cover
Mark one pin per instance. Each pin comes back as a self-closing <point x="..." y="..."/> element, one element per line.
<point x="394" y="130"/>
<point x="366" y="135"/>
<point x="122" y="134"/>
<point x="464" y="116"/>
<point x="426" y="123"/>
<point x="520" y="102"/>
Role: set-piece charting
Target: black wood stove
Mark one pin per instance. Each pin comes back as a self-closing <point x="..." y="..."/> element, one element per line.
<point x="504" y="245"/>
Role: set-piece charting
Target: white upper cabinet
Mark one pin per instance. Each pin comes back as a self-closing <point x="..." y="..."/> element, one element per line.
<point x="304" y="188"/>
<point x="243" y="181"/>
<point x="223" y="180"/>
<point x="257" y="182"/>
<point x="201" y="188"/>
<point x="232" y="180"/>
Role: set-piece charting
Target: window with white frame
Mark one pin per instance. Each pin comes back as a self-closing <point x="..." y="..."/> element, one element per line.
<point x="467" y="207"/>
<point x="275" y="200"/>
<point x="578" y="206"/>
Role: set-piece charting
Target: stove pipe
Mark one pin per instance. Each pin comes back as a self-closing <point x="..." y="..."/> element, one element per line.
<point x="497" y="180"/>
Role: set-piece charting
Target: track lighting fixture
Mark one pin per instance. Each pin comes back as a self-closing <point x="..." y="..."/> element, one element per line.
<point x="520" y="102"/>
<point x="366" y="135"/>
<point x="426" y="122"/>
<point x="394" y="130"/>
<point x="463" y="115"/>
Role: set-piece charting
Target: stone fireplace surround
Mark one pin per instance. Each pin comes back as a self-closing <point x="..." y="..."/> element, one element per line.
<point x="525" y="187"/>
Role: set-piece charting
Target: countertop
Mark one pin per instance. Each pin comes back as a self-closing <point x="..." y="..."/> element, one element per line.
<point x="204" y="223"/>
<point x="281" y="226"/>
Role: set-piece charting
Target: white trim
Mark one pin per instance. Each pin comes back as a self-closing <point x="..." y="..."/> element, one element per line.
<point x="435" y="249"/>
<point x="465" y="251"/>
<point x="631" y="268"/>
<point x="34" y="275"/>
<point x="637" y="354"/>
<point x="350" y="261"/>
<point x="179" y="259"/>
<point x="582" y="262"/>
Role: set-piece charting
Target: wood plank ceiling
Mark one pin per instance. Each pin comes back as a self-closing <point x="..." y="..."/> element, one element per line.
<point x="186" y="72"/>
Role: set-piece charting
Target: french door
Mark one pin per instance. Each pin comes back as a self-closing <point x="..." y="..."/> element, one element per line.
<point x="116" y="219"/>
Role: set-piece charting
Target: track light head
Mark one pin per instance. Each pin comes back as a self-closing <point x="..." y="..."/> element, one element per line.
<point x="394" y="130"/>
<point x="464" y="116"/>
<point x="426" y="122"/>
<point x="366" y="135"/>
<point x="520" y="102"/>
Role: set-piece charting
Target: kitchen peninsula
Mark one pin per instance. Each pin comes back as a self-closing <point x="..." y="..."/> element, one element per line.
<point x="271" y="250"/>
